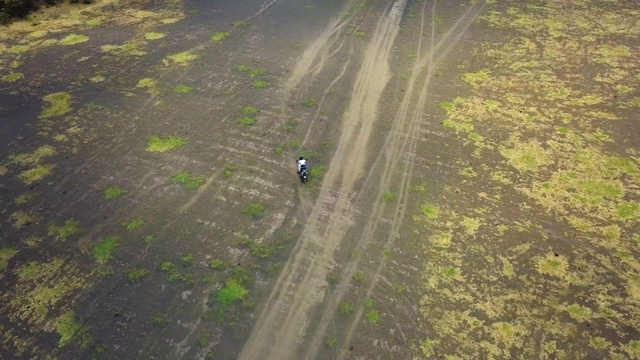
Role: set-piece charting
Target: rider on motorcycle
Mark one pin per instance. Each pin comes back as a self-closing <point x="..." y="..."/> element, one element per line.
<point x="302" y="164"/>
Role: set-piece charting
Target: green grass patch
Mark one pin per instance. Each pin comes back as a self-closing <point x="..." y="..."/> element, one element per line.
<point x="34" y="157"/>
<point x="359" y="33"/>
<point x="146" y="83"/>
<point x="172" y="272"/>
<point x="154" y="35"/>
<point x="35" y="174"/>
<point x="247" y="121"/>
<point x="182" y="58"/>
<point x="183" y="89"/>
<point x="232" y="292"/>
<point x="6" y="253"/>
<point x="257" y="72"/>
<point x="71" y="227"/>
<point x="427" y="346"/>
<point x="430" y="211"/>
<point x="18" y="49"/>
<point x="137" y="274"/>
<point x="260" y="84"/>
<point x="346" y="308"/>
<point x="68" y="328"/>
<point x="240" y="23"/>
<point x="256" y="210"/>
<point x="59" y="103"/>
<point x="279" y="150"/>
<point x="148" y="239"/>
<point x="262" y="251"/>
<point x="13" y="77"/>
<point x="219" y="36"/>
<point x="295" y="144"/>
<point x="164" y="144"/>
<point x="367" y="303"/>
<point x="358" y="276"/>
<point x="73" y="39"/>
<point x="389" y="196"/>
<point x="373" y="316"/>
<point x="189" y="180"/>
<point x="242" y="68"/>
<point x="250" y="110"/>
<point x="628" y="210"/>
<point x="309" y="102"/>
<point x="114" y="192"/>
<point x="103" y="251"/>
<point x="134" y="224"/>
<point x="187" y="260"/>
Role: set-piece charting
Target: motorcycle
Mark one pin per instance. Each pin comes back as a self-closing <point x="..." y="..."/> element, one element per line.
<point x="304" y="175"/>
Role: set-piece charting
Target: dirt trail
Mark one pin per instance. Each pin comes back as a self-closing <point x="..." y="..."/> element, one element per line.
<point x="302" y="285"/>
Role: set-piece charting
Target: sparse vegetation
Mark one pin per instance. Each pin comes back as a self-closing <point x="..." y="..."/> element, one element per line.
<point x="373" y="316"/>
<point x="114" y="192"/>
<point x="217" y="264"/>
<point x="346" y="308"/>
<point x="164" y="144"/>
<point x="240" y="23"/>
<point x="260" y="84"/>
<point x="68" y="328"/>
<point x="309" y="102"/>
<point x="59" y="103"/>
<point x="13" y="77"/>
<point x="154" y="35"/>
<point x="187" y="260"/>
<point x="183" y="89"/>
<point x="137" y="274"/>
<point x="71" y="227"/>
<point x="189" y="180"/>
<point x="134" y="224"/>
<point x="219" y="36"/>
<point x="358" y="276"/>
<point x="21" y="219"/>
<point x="74" y="39"/>
<point x="6" y="253"/>
<point x="160" y="321"/>
<point x="389" y="196"/>
<point x="103" y="251"/>
<point x="255" y="210"/>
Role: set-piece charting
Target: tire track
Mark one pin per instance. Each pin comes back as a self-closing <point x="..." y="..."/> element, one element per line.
<point x="394" y="152"/>
<point x="301" y="285"/>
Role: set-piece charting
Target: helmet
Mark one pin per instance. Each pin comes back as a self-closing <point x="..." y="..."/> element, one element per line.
<point x="301" y="158"/>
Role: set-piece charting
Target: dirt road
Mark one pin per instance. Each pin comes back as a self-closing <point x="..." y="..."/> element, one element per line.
<point x="285" y="322"/>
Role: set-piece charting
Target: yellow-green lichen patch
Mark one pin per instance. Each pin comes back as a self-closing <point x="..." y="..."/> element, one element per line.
<point x="27" y="159"/>
<point x="552" y="264"/>
<point x="97" y="79"/>
<point x="6" y="253"/>
<point x="13" y="77"/>
<point x="21" y="219"/>
<point x="41" y="288"/>
<point x="476" y="78"/>
<point x="146" y="83"/>
<point x="36" y="173"/>
<point x="154" y="35"/>
<point x="164" y="144"/>
<point x="182" y="58"/>
<point x="527" y="156"/>
<point x="59" y="103"/>
<point x="73" y="39"/>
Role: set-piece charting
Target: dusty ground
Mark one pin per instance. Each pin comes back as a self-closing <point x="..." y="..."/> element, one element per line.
<point x="474" y="189"/>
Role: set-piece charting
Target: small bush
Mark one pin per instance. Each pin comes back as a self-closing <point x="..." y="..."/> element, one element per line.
<point x="189" y="180"/>
<point x="358" y="276"/>
<point x="250" y="110"/>
<point x="389" y="196"/>
<point x="373" y="316"/>
<point x="160" y="321"/>
<point x="257" y="72"/>
<point x="240" y="23"/>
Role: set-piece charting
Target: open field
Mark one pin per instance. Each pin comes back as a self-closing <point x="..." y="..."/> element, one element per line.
<point x="474" y="188"/>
